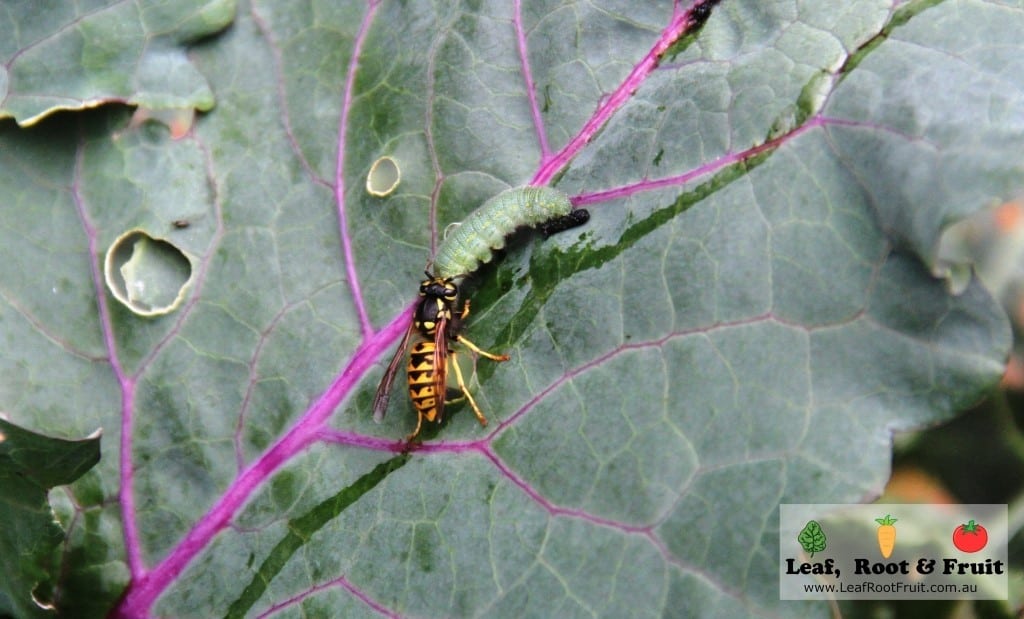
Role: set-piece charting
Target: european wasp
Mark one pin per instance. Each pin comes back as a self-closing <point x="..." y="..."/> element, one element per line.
<point x="437" y="321"/>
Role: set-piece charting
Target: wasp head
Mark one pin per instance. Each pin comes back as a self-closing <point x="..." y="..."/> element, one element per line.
<point x="439" y="288"/>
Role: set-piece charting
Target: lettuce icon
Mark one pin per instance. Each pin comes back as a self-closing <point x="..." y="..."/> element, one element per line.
<point x="812" y="538"/>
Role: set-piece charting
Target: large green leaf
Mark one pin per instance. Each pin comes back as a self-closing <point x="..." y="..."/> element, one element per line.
<point x="30" y="465"/>
<point x="76" y="55"/>
<point x="747" y="317"/>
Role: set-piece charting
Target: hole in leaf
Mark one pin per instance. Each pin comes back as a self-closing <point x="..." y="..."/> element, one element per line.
<point x="384" y="177"/>
<point x="149" y="276"/>
<point x="178" y="120"/>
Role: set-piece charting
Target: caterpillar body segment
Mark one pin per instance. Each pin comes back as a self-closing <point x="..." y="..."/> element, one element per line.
<point x="473" y="242"/>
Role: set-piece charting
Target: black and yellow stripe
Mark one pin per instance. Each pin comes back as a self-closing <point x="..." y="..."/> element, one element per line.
<point x="422" y="387"/>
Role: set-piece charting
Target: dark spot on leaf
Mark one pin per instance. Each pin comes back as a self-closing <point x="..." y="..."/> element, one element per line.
<point x="423" y="548"/>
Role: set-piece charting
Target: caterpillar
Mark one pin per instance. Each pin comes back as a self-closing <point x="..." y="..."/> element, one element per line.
<point x="473" y="242"/>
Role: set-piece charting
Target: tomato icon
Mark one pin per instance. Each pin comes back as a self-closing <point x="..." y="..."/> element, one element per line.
<point x="970" y="537"/>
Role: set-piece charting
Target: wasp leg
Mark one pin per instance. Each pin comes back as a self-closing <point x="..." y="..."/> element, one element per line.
<point x="465" y="390"/>
<point x="457" y="400"/>
<point x="416" y="432"/>
<point x="471" y="345"/>
<point x="480" y="351"/>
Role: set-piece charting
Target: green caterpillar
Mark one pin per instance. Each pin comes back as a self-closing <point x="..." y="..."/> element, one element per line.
<point x="473" y="242"/>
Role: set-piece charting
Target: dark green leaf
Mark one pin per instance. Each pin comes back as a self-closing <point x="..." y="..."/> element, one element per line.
<point x="30" y="465"/>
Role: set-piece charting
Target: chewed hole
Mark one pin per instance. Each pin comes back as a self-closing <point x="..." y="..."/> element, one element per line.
<point x="384" y="177"/>
<point x="149" y="276"/>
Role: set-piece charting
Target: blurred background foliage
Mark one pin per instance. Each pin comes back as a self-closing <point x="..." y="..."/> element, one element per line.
<point x="978" y="457"/>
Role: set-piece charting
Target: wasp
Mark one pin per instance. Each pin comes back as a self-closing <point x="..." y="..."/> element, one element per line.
<point x="437" y="321"/>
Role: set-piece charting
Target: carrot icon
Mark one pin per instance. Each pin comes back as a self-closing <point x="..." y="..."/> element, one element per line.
<point x="886" y="535"/>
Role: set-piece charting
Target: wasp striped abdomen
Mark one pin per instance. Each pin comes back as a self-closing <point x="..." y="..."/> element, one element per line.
<point x="423" y="391"/>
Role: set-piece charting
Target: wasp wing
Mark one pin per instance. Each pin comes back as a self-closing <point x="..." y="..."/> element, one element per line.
<point x="441" y="364"/>
<point x="383" y="396"/>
